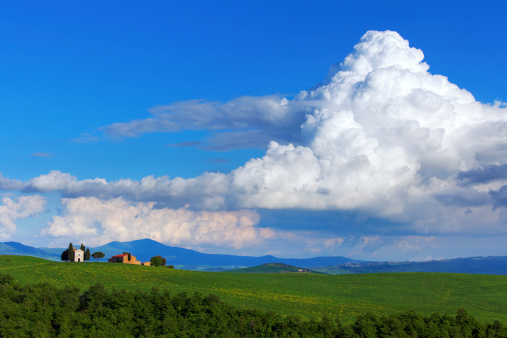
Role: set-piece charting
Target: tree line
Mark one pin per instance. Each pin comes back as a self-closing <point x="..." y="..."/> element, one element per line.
<point x="46" y="310"/>
<point x="68" y="254"/>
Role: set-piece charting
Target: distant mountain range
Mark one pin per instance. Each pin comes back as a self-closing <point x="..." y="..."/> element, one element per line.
<point x="496" y="265"/>
<point x="15" y="248"/>
<point x="144" y="249"/>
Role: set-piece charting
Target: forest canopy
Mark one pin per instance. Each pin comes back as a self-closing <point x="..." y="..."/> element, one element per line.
<point x="44" y="309"/>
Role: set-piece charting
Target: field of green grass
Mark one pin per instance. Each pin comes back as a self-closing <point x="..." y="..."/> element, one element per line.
<point x="306" y="295"/>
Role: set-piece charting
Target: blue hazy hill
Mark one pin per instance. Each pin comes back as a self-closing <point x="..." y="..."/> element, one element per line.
<point x="15" y="248"/>
<point x="144" y="249"/>
<point x="493" y="265"/>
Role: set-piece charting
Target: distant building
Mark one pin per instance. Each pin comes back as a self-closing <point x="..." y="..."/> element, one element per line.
<point x="147" y="263"/>
<point x="78" y="255"/>
<point x="124" y="258"/>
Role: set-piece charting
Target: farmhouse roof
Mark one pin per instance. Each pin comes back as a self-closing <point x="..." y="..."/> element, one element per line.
<point x="121" y="255"/>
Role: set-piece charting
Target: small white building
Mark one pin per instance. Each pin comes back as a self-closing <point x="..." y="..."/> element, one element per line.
<point x="78" y="255"/>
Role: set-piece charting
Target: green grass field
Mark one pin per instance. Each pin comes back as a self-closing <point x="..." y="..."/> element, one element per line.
<point x="306" y="295"/>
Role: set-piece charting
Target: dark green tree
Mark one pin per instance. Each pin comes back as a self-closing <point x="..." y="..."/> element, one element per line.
<point x="98" y="255"/>
<point x="129" y="257"/>
<point x="70" y="251"/>
<point x="163" y="260"/>
<point x="65" y="255"/>
<point x="156" y="261"/>
<point x="82" y="247"/>
<point x="87" y="255"/>
<point x="7" y="279"/>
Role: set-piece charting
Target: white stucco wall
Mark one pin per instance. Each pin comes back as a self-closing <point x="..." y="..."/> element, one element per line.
<point x="79" y="255"/>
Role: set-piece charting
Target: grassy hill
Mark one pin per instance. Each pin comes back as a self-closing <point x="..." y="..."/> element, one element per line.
<point x="306" y="295"/>
<point x="273" y="268"/>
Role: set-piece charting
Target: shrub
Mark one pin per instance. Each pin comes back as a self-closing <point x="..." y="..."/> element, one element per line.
<point x="156" y="261"/>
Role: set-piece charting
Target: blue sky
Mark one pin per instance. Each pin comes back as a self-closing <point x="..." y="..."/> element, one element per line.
<point x="122" y="120"/>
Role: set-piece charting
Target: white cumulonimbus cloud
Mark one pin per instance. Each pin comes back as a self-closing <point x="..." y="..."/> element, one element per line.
<point x="14" y="209"/>
<point x="381" y="136"/>
<point x="99" y="221"/>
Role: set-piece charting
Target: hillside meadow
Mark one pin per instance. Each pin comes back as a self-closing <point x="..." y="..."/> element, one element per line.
<point x="310" y="296"/>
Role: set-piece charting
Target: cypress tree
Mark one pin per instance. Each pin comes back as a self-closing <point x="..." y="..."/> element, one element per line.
<point x="87" y="255"/>
<point x="82" y="247"/>
<point x="130" y="257"/>
<point x="70" y="251"/>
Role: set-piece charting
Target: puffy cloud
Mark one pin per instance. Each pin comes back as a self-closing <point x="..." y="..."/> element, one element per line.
<point x="10" y="184"/>
<point x="98" y="221"/>
<point x="381" y="136"/>
<point x="386" y="137"/>
<point x="208" y="191"/>
<point x="283" y="178"/>
<point x="14" y="209"/>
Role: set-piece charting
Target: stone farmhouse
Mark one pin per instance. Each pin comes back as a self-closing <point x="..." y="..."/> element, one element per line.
<point x="124" y="258"/>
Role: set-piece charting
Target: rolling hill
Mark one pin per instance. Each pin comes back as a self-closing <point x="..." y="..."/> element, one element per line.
<point x="187" y="259"/>
<point x="144" y="249"/>
<point x="304" y="294"/>
<point x="273" y="268"/>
